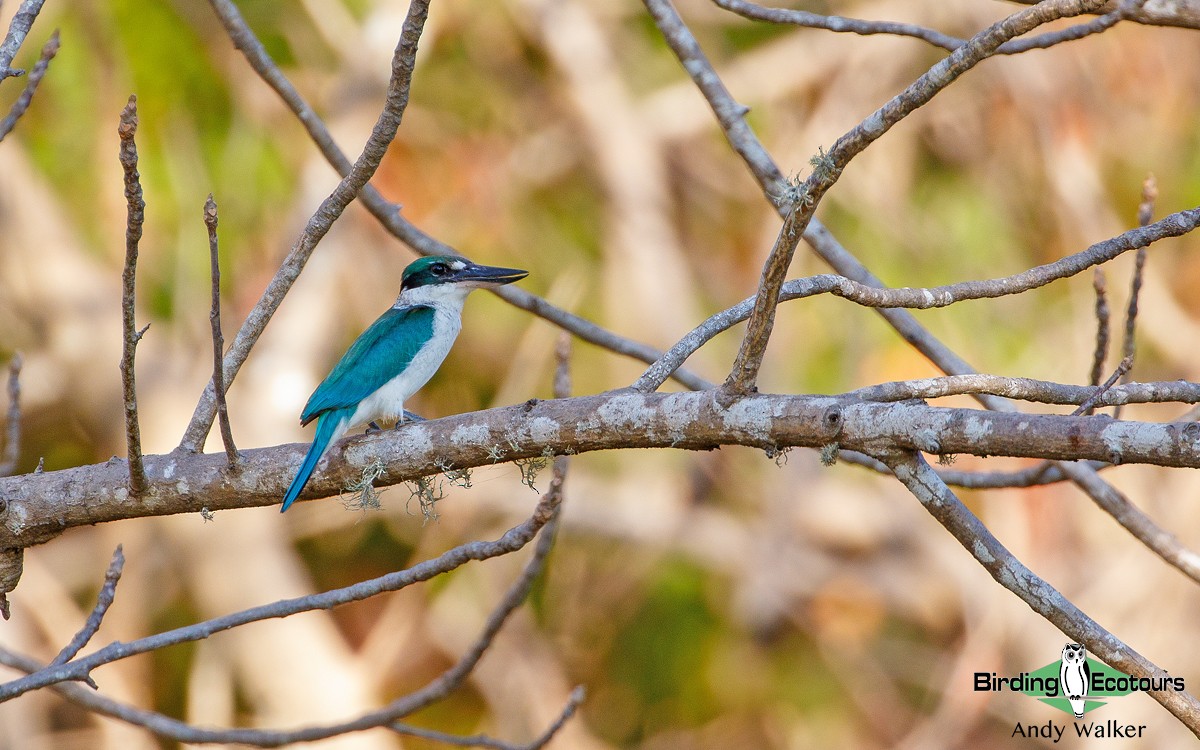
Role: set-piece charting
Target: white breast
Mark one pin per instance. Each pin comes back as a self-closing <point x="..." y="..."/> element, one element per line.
<point x="387" y="403"/>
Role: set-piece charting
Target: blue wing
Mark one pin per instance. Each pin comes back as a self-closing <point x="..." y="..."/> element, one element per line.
<point x="378" y="355"/>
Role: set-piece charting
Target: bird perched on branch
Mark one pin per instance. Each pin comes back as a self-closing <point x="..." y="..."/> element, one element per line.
<point x="397" y="355"/>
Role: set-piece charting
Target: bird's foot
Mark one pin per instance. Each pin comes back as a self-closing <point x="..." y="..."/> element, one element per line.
<point x="373" y="427"/>
<point x="408" y="416"/>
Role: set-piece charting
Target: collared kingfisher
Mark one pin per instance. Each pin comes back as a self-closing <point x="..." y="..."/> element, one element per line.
<point x="397" y="355"/>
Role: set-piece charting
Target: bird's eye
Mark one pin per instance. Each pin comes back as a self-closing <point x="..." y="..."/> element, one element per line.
<point x="439" y="269"/>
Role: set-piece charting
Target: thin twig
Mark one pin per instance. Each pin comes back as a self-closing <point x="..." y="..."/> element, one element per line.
<point x="1045" y="472"/>
<point x="1100" y="287"/>
<point x="21" y="105"/>
<point x="450" y="680"/>
<point x="12" y="428"/>
<point x="936" y="38"/>
<point x="482" y="740"/>
<point x="218" y="338"/>
<point x="399" y="86"/>
<point x="1105" y="387"/>
<point x="562" y="369"/>
<point x="17" y="30"/>
<point x="1145" y="214"/>
<point x="129" y="341"/>
<point x="920" y="479"/>
<point x="388" y="213"/>
<point x="103" y="601"/>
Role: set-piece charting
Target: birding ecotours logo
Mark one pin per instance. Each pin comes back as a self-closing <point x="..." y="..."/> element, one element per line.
<point x="1076" y="684"/>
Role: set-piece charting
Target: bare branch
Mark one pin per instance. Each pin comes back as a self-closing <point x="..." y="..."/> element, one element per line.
<point x="1145" y="214"/>
<point x="20" y="106"/>
<point x="1028" y="389"/>
<point x="129" y="341"/>
<point x="218" y="338"/>
<point x="105" y="599"/>
<point x="166" y="726"/>
<point x="12" y="564"/>
<point x="22" y="22"/>
<point x="12" y="428"/>
<point x="1181" y="13"/>
<point x="388" y="213"/>
<point x="1100" y="287"/>
<point x="543" y="520"/>
<point x="827" y="168"/>
<point x="481" y="740"/>
<point x="840" y="24"/>
<point x="41" y="506"/>
<point x="403" y="62"/>
<point x="1104" y="388"/>
<point x="915" y="474"/>
<point x="870" y="293"/>
<point x="78" y="669"/>
<point x="1046" y="472"/>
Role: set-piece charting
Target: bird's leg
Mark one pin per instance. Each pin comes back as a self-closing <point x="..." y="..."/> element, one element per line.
<point x="373" y="427"/>
<point x="408" y="416"/>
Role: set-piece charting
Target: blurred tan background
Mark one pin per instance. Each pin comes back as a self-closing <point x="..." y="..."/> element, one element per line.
<point x="706" y="600"/>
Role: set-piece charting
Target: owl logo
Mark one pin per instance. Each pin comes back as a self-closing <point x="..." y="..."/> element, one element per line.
<point x="1074" y="676"/>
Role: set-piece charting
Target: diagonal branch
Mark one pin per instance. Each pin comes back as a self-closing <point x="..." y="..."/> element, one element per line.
<point x="803" y="200"/>
<point x="543" y="520"/>
<point x="399" y="86"/>
<point x="22" y="22"/>
<point x="870" y="293"/>
<point x="920" y="479"/>
<point x="107" y="592"/>
<point x="19" y="107"/>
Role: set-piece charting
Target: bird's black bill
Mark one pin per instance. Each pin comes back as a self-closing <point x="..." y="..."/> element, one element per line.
<point x="489" y="274"/>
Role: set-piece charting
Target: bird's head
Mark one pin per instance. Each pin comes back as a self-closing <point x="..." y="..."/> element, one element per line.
<point x="440" y="275"/>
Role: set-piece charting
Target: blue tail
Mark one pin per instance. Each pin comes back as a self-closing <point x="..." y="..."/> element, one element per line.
<point x="330" y="426"/>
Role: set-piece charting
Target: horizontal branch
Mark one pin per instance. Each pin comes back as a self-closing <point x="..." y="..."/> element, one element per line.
<point x="1037" y="391"/>
<point x="867" y="294"/>
<point x="38" y="507"/>
<point x="1181" y="13"/>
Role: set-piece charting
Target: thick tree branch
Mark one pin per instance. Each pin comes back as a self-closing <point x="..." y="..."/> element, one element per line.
<point x="403" y="62"/>
<point x="40" y="506"/>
